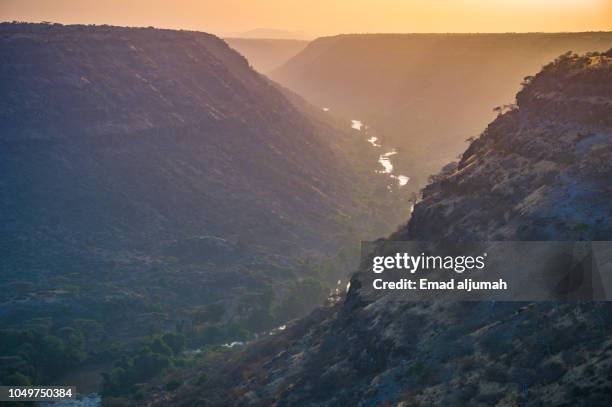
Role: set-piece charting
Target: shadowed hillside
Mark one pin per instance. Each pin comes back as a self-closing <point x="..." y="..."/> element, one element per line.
<point x="156" y="135"/>
<point x="424" y="94"/>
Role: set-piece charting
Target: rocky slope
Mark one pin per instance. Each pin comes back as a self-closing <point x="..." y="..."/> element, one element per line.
<point x="541" y="171"/>
<point x="424" y="94"/>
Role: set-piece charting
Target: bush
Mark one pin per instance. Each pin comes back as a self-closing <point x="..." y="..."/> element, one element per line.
<point x="148" y="365"/>
<point x="175" y="341"/>
<point x="173" y="385"/>
<point x="159" y="346"/>
<point x="202" y="379"/>
<point x="581" y="227"/>
<point x="302" y="298"/>
<point x="17" y="379"/>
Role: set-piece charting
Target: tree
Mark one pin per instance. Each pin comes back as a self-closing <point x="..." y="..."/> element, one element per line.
<point x="148" y="365"/>
<point x="17" y="379"/>
<point x="159" y="346"/>
<point x="175" y="341"/>
<point x="303" y="297"/>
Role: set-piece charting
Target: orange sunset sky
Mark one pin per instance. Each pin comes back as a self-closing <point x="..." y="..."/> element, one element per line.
<point x="324" y="17"/>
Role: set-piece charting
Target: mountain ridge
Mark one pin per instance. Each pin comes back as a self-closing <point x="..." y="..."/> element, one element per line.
<point x="146" y="110"/>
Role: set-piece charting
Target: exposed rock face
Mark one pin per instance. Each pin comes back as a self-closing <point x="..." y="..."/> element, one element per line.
<point x="541" y="171"/>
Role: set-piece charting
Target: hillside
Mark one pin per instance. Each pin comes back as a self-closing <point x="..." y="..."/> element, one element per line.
<point x="160" y="135"/>
<point x="152" y="181"/>
<point x="424" y="94"/>
<point x="538" y="172"/>
<point x="266" y="54"/>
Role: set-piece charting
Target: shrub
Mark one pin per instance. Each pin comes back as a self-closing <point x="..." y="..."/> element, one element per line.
<point x="581" y="227"/>
<point x="17" y="379"/>
<point x="175" y="341"/>
<point x="159" y="346"/>
<point x="148" y="365"/>
<point x="201" y="379"/>
<point x="173" y="385"/>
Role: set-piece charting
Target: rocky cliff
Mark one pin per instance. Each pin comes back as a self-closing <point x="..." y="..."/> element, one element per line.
<point x="540" y="171"/>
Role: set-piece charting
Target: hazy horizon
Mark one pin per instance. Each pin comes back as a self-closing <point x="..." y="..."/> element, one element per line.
<point x="308" y="20"/>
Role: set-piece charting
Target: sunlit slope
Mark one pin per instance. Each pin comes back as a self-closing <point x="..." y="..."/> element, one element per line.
<point x="425" y="93"/>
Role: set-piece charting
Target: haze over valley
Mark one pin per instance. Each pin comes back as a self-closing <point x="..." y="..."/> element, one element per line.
<point x="424" y="94"/>
<point x="266" y="54"/>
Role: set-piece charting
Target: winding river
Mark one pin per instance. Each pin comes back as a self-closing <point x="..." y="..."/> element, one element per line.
<point x="384" y="159"/>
